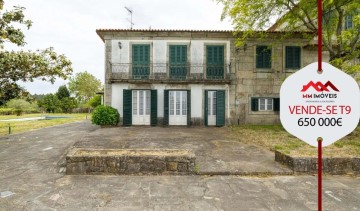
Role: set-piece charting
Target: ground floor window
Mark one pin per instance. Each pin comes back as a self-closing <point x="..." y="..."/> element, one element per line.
<point x="265" y="104"/>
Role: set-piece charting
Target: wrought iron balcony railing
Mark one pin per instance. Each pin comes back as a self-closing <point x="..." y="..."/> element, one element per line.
<point x="170" y="72"/>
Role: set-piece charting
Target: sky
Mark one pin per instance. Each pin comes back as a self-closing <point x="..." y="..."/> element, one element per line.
<point x="69" y="26"/>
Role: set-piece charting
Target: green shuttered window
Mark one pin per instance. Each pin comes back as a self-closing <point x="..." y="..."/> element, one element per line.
<point x="263" y="56"/>
<point x="292" y="57"/>
<point x="127" y="107"/>
<point x="178" y="61"/>
<point x="140" y="61"/>
<point x="265" y="104"/>
<point x="215" y="61"/>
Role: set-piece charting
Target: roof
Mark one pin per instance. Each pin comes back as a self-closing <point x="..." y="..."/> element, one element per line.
<point x="101" y="32"/>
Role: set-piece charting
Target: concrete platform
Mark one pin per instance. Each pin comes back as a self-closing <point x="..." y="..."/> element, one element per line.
<point x="215" y="152"/>
<point x="32" y="177"/>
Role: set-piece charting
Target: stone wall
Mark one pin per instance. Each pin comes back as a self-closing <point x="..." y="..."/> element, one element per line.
<point x="334" y="166"/>
<point x="250" y="81"/>
<point x="129" y="162"/>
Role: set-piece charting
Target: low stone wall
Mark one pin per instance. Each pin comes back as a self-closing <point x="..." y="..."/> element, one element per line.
<point x="130" y="162"/>
<point x="334" y="166"/>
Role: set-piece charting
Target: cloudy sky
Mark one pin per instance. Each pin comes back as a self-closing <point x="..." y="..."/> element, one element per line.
<point x="69" y="26"/>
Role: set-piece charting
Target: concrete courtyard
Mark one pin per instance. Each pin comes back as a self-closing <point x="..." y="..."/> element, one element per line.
<point x="32" y="174"/>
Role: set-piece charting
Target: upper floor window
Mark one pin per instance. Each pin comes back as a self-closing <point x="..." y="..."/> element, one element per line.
<point x="292" y="57"/>
<point x="140" y="61"/>
<point x="215" y="61"/>
<point x="263" y="56"/>
<point x="178" y="61"/>
<point x="348" y="22"/>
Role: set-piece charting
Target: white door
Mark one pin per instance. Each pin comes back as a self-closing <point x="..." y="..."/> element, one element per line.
<point x="141" y="107"/>
<point x="211" y="107"/>
<point x="178" y="108"/>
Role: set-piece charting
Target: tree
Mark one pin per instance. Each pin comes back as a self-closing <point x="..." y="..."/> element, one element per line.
<point x="19" y="105"/>
<point x="67" y="104"/>
<point x="50" y="103"/>
<point x="84" y="86"/>
<point x="343" y="44"/>
<point x="95" y="101"/>
<point x="63" y="92"/>
<point x="25" y="65"/>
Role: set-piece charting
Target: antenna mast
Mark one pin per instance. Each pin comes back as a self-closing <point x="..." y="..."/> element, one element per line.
<point x="131" y="13"/>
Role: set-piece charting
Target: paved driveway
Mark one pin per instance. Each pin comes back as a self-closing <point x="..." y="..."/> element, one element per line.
<point x="32" y="178"/>
<point x="216" y="153"/>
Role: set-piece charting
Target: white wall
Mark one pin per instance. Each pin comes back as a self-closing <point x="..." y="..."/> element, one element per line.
<point x="197" y="96"/>
<point x="117" y="97"/>
<point x="159" y="50"/>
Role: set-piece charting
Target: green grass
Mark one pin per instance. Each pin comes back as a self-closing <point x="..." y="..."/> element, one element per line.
<point x="23" y="126"/>
<point x="274" y="137"/>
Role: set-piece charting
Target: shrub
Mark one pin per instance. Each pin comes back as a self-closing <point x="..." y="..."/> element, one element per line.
<point x="105" y="116"/>
<point x="19" y="106"/>
<point x="6" y="111"/>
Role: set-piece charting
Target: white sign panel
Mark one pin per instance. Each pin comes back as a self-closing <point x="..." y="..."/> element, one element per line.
<point x="316" y="105"/>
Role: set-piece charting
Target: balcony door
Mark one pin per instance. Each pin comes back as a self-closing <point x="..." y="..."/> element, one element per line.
<point x="177" y="107"/>
<point x="140" y="61"/>
<point x="215" y="62"/>
<point x="178" y="61"/>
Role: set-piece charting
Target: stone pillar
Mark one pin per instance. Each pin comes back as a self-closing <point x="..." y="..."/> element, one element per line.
<point x="108" y="71"/>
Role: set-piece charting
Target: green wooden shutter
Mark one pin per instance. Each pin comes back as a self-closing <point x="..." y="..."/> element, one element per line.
<point x="292" y="57"/>
<point x="153" y="112"/>
<point x="206" y="108"/>
<point x="220" y="108"/>
<point x="140" y="61"/>
<point x="215" y="62"/>
<point x="263" y="57"/>
<point x="189" y="107"/>
<point x="254" y="104"/>
<point x="276" y="104"/>
<point x="178" y="61"/>
<point x="127" y="107"/>
<point x="166" y="107"/>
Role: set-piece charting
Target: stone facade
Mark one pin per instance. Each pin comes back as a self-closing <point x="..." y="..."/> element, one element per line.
<point x="130" y="162"/>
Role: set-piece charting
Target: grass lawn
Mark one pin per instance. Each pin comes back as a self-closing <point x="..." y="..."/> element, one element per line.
<point x="22" y="126"/>
<point x="274" y="137"/>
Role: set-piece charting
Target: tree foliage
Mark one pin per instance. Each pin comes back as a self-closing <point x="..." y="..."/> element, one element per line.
<point x="343" y="44"/>
<point x="84" y="85"/>
<point x="62" y="92"/>
<point x="19" y="105"/>
<point x="23" y="65"/>
<point x="50" y="103"/>
<point x="67" y="104"/>
<point x="95" y="101"/>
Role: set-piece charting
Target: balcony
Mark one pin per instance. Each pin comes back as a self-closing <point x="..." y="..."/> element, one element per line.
<point x="170" y="73"/>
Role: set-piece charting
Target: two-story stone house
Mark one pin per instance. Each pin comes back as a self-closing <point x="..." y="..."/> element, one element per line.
<point x="196" y="77"/>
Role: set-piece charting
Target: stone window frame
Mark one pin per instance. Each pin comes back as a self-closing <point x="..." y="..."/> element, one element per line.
<point x="291" y="70"/>
<point x="131" y="43"/>
<point x="264" y="70"/>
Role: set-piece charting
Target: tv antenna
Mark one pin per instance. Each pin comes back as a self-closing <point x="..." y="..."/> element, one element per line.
<point x="131" y="13"/>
